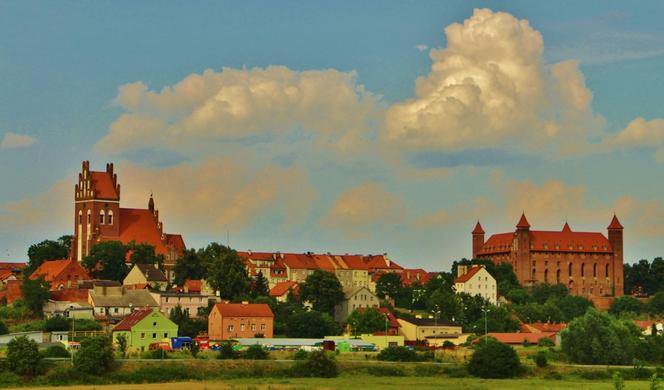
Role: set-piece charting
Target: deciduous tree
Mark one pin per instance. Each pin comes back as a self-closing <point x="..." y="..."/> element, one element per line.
<point x="107" y="261"/>
<point x="35" y="294"/>
<point x="225" y="271"/>
<point x="323" y="290"/>
<point x="367" y="320"/>
<point x="47" y="250"/>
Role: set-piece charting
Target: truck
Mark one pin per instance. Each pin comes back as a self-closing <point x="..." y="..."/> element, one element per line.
<point x="180" y="343"/>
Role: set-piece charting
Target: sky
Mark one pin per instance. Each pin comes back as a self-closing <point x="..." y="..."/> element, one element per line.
<point x="347" y="127"/>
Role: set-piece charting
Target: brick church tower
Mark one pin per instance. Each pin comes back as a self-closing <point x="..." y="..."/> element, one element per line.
<point x="98" y="217"/>
<point x="615" y="230"/>
<point x="97" y="208"/>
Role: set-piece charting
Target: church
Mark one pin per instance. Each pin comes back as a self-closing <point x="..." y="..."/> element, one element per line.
<point x="98" y="217"/>
<point x="588" y="263"/>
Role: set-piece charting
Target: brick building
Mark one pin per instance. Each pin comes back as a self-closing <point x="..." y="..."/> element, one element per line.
<point x="240" y="320"/>
<point x="98" y="217"/>
<point x="588" y="263"/>
<point x="62" y="274"/>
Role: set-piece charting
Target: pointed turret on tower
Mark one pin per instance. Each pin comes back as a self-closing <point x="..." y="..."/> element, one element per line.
<point x="478" y="239"/>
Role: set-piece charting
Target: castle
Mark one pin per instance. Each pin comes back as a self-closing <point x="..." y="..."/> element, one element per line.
<point x="98" y="217"/>
<point x="588" y="263"/>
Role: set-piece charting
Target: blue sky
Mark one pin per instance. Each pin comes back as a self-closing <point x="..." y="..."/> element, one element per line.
<point x="290" y="186"/>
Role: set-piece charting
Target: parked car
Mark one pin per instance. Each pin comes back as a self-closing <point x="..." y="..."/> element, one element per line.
<point x="163" y="345"/>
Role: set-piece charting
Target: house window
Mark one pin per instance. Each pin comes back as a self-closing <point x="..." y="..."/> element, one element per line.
<point x="230" y="328"/>
<point x="142" y="335"/>
<point x="583" y="270"/>
<point x="109" y="220"/>
<point x="569" y="269"/>
<point x="154" y="335"/>
<point x="241" y="327"/>
<point x="166" y="335"/>
<point x="262" y="326"/>
<point x="154" y="324"/>
<point x="253" y="327"/>
<point x="595" y="270"/>
<point x="115" y="310"/>
<point x="606" y="270"/>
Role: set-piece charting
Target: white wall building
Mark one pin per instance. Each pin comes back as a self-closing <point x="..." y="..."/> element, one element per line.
<point x="476" y="280"/>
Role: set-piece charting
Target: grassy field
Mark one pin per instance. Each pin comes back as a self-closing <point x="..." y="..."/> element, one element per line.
<point x="371" y="382"/>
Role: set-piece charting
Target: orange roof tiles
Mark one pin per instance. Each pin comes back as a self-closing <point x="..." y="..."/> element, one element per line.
<point x="132" y="319"/>
<point x="615" y="224"/>
<point x="70" y="295"/>
<point x="282" y="288"/>
<point x="523" y="222"/>
<point x="410" y="276"/>
<point x="478" y="229"/>
<point x="11" y="266"/>
<point x="102" y="182"/>
<point x="140" y="225"/>
<point x="468" y="275"/>
<point x="244" y="310"/>
<point x="176" y="241"/>
<point x="53" y="268"/>
<point x="551" y="241"/>
<point x="193" y="285"/>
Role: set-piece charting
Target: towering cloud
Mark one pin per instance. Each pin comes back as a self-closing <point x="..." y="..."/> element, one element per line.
<point x="490" y="87"/>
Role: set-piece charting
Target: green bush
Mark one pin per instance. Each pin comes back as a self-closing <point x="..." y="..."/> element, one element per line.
<point x="56" y="351"/>
<point x="3" y="328"/>
<point x="546" y="342"/>
<point x="301" y="354"/>
<point x="318" y="364"/>
<point x="95" y="355"/>
<point x="226" y="351"/>
<point x="540" y="359"/>
<point x="56" y="323"/>
<point x="23" y="357"/>
<point x="494" y="360"/>
<point x="256" y="352"/>
<point x="157" y="354"/>
<point x="398" y="354"/>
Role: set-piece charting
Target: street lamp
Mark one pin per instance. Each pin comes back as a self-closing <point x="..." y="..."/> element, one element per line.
<point x="436" y="313"/>
<point x="485" y="310"/>
<point x="73" y="332"/>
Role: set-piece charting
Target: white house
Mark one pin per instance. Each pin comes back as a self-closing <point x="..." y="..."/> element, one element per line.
<point x="476" y="280"/>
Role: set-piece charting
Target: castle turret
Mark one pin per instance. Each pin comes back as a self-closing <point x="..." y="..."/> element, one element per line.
<point x="521" y="250"/>
<point x="615" y="233"/>
<point x="478" y="239"/>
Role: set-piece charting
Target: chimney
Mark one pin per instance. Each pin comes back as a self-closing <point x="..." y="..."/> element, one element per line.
<point x="461" y="270"/>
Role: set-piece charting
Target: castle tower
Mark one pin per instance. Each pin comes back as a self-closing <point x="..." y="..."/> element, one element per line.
<point x="478" y="239"/>
<point x="96" y="208"/>
<point x="615" y="232"/>
<point x="521" y="249"/>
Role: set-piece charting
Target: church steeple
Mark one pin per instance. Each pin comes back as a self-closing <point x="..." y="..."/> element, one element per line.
<point x="151" y="204"/>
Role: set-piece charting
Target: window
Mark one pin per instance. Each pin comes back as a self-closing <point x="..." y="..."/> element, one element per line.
<point x="569" y="269"/>
<point x="166" y="335"/>
<point x="109" y="220"/>
<point x="595" y="270"/>
<point x="154" y="335"/>
<point x="89" y="216"/>
<point x="154" y="324"/>
<point x="142" y="335"/>
<point x="606" y="270"/>
<point x="253" y="327"/>
<point x="546" y="276"/>
<point x="101" y="217"/>
<point x="231" y="328"/>
<point x="242" y="328"/>
<point x="262" y="326"/>
<point x="115" y="310"/>
<point x="583" y="270"/>
<point x="558" y="276"/>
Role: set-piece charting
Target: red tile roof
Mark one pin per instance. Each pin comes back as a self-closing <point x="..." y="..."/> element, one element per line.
<point x="140" y="225"/>
<point x="244" y="310"/>
<point x="282" y="288"/>
<point x="518" y="338"/>
<point x="410" y="276"/>
<point x="326" y="262"/>
<point x="102" y="183"/>
<point x="193" y="285"/>
<point x="551" y="241"/>
<point x="11" y="266"/>
<point x="543" y="327"/>
<point x="478" y="229"/>
<point x="393" y="322"/>
<point x="615" y="224"/>
<point x="53" y="268"/>
<point x="523" y="222"/>
<point x="5" y="274"/>
<point x="132" y="319"/>
<point x="469" y="274"/>
<point x="70" y="295"/>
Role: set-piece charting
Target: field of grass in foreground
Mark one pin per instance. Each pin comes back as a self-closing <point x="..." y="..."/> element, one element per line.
<point x="370" y="382"/>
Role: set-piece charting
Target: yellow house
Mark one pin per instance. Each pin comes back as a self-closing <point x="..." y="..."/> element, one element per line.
<point x="146" y="275"/>
<point x="431" y="331"/>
